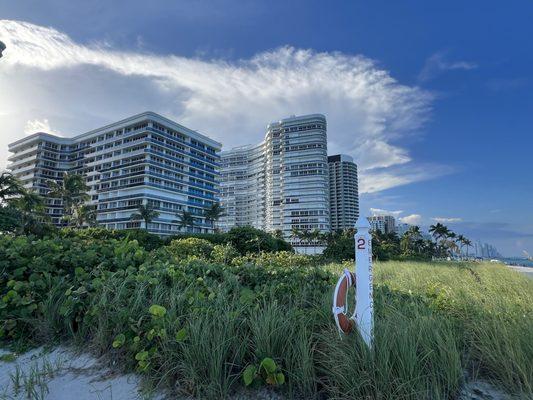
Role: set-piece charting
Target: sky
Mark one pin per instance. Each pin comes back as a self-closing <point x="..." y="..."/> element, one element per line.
<point x="432" y="99"/>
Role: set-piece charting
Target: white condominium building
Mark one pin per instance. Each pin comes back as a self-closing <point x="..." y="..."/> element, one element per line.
<point x="343" y="192"/>
<point x="383" y="223"/>
<point x="242" y="187"/>
<point x="281" y="183"/>
<point x="145" y="159"/>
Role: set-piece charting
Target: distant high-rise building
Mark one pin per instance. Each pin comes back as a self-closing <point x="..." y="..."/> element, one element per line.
<point x="485" y="250"/>
<point x="343" y="192"/>
<point x="401" y="228"/>
<point x="145" y="159"/>
<point x="383" y="223"/>
<point x="280" y="184"/>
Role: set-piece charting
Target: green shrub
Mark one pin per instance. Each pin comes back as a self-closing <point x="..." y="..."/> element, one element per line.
<point x="340" y="248"/>
<point x="224" y="253"/>
<point x="250" y="240"/>
<point x="215" y="238"/>
<point x="191" y="247"/>
<point x="147" y="240"/>
<point x="281" y="259"/>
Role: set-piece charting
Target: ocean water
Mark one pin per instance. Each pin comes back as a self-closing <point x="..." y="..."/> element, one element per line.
<point x="518" y="261"/>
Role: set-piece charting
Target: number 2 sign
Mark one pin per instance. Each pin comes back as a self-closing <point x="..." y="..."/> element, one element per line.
<point x="364" y="303"/>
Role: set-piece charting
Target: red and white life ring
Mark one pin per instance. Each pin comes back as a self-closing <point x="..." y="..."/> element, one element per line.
<point x="340" y="300"/>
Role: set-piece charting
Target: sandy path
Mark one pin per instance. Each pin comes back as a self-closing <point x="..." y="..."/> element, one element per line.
<point x="61" y="374"/>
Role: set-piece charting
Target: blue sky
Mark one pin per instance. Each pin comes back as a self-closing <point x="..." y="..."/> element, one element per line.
<point x="432" y="99"/>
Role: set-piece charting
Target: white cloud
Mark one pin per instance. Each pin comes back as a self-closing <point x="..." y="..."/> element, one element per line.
<point x="446" y="219"/>
<point x="380" y="211"/>
<point x="39" y="125"/>
<point x="46" y="75"/>
<point x="378" y="179"/>
<point x="438" y="63"/>
<point x="413" y="219"/>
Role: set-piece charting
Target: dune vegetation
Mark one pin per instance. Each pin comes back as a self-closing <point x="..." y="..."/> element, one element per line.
<point x="204" y="319"/>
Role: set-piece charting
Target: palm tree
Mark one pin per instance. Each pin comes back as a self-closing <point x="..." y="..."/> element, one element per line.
<point x="412" y="240"/>
<point x="185" y="219"/>
<point x="145" y="213"/>
<point x="305" y="237"/>
<point x="278" y="234"/>
<point x="467" y="243"/>
<point x="84" y="215"/>
<point x="315" y="236"/>
<point x="295" y="234"/>
<point x="72" y="191"/>
<point x="31" y="210"/>
<point x="460" y="239"/>
<point x="439" y="231"/>
<point x="450" y="245"/>
<point x="10" y="186"/>
<point x="213" y="213"/>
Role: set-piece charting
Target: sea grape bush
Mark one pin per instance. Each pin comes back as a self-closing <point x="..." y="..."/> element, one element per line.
<point x="243" y="239"/>
<point x="76" y="269"/>
<point x="267" y="372"/>
<point x="191" y="247"/>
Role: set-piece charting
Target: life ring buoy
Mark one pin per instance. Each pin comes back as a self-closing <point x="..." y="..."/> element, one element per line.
<point x="340" y="297"/>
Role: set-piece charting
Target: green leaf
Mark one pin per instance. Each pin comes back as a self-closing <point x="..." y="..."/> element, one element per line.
<point x="10" y="357"/>
<point x="119" y="341"/>
<point x="247" y="296"/>
<point x="249" y="374"/>
<point x="141" y="356"/>
<point x="181" y="335"/>
<point x="269" y="365"/>
<point x="280" y="378"/>
<point x="157" y="311"/>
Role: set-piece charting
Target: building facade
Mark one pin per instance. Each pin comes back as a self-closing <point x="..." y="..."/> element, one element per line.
<point x="282" y="183"/>
<point x="145" y="159"/>
<point x="343" y="192"/>
<point x="402" y="228"/>
<point x="242" y="187"/>
<point x="383" y="223"/>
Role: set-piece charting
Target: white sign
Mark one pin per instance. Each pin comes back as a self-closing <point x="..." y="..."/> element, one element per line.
<point x="364" y="302"/>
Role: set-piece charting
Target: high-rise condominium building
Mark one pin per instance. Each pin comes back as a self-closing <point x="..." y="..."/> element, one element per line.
<point x="242" y="187"/>
<point x="383" y="223"/>
<point x="402" y="228"/>
<point x="281" y="183"/>
<point x="343" y="192"/>
<point x="145" y="159"/>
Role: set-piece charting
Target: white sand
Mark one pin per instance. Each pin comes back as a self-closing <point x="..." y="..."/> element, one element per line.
<point x="525" y="270"/>
<point x="62" y="375"/>
<point x="481" y="390"/>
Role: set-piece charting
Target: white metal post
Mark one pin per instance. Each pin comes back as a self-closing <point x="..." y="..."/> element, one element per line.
<point x="364" y="302"/>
